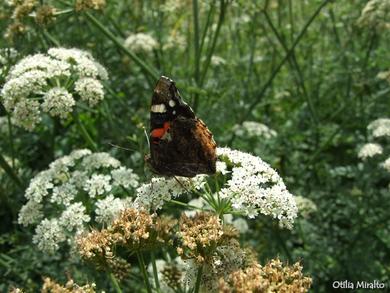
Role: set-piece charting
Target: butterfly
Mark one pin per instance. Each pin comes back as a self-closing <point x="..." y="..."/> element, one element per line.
<point x="180" y="143"/>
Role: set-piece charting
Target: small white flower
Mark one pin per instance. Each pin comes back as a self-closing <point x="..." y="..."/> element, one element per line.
<point x="48" y="235"/>
<point x="58" y="102"/>
<point x="370" y="150"/>
<point x="107" y="209"/>
<point x="386" y="165"/>
<point x="380" y="127"/>
<point x="217" y="60"/>
<point x="125" y="177"/>
<point x="30" y="213"/>
<point x="27" y="114"/>
<point x="64" y="194"/>
<point x="97" y="185"/>
<point x="39" y="187"/>
<point x="254" y="129"/>
<point x="74" y="217"/>
<point x="141" y="42"/>
<point x="152" y="196"/>
<point x="222" y="168"/>
<point x="100" y="160"/>
<point x="90" y="90"/>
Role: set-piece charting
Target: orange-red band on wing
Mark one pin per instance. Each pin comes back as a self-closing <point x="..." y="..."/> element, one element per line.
<point x="159" y="132"/>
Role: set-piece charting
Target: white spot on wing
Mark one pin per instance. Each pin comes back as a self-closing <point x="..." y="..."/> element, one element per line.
<point x="159" y="108"/>
<point x="171" y="103"/>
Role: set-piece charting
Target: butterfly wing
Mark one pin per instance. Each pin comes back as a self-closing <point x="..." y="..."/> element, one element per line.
<point x="180" y="143"/>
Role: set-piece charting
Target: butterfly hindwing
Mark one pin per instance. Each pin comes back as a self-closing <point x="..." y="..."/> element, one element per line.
<point x="180" y="143"/>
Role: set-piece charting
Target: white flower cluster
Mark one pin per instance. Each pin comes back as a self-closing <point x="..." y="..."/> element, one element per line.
<point x="141" y="42"/>
<point x="79" y="189"/>
<point x="379" y="127"/>
<point x="153" y="195"/>
<point x="51" y="83"/>
<point x="254" y="129"/>
<point x="217" y="60"/>
<point x="384" y="75"/>
<point x="369" y="150"/>
<point x="376" y="13"/>
<point x="256" y="188"/>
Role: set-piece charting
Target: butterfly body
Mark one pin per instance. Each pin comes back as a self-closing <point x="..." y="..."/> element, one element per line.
<point x="180" y="143"/>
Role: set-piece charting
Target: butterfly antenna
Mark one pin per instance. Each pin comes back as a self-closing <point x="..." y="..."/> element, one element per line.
<point x="181" y="184"/>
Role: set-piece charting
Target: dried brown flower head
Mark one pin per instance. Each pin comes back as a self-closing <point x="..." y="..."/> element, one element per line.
<point x="137" y="230"/>
<point x="95" y="247"/>
<point x="45" y="15"/>
<point x="15" y="29"/>
<point x="273" y="277"/>
<point x="23" y="9"/>
<point x="81" y="5"/>
<point x="50" y="286"/>
<point x="199" y="236"/>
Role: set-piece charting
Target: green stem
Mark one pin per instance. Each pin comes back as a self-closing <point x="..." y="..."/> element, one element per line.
<point x="115" y="283"/>
<point x="196" y="39"/>
<point x="11" y="173"/>
<point x="155" y="273"/>
<point x="247" y="113"/>
<point x="88" y="139"/>
<point x="198" y="279"/>
<point x="141" y="263"/>
<point x="195" y="12"/>
<point x="146" y="68"/>
<point x="222" y="12"/>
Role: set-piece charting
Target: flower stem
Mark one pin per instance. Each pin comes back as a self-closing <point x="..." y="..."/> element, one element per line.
<point x="88" y="139"/>
<point x="11" y="173"/>
<point x="198" y="279"/>
<point x="115" y="283"/>
<point x="148" y="69"/>
<point x="141" y="263"/>
<point x="155" y="273"/>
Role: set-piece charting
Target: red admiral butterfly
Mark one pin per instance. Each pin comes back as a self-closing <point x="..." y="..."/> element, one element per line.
<point x="180" y="143"/>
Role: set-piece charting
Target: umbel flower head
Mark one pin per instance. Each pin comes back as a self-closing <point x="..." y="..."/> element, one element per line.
<point x="141" y="42"/>
<point x="273" y="277"/>
<point x="134" y="230"/>
<point x="52" y="83"/>
<point x="251" y="187"/>
<point x="57" y="198"/>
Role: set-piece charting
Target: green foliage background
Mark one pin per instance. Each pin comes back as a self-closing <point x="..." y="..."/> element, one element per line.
<point x="306" y="69"/>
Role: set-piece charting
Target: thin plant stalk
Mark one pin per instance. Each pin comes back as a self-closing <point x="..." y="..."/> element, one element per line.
<point x="115" y="283"/>
<point x="11" y="172"/>
<point x="247" y="113"/>
<point x="195" y="13"/>
<point x="87" y="137"/>
<point x="222" y="12"/>
<point x="155" y="273"/>
<point x="142" y="265"/>
<point x="146" y="68"/>
<point x="198" y="279"/>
